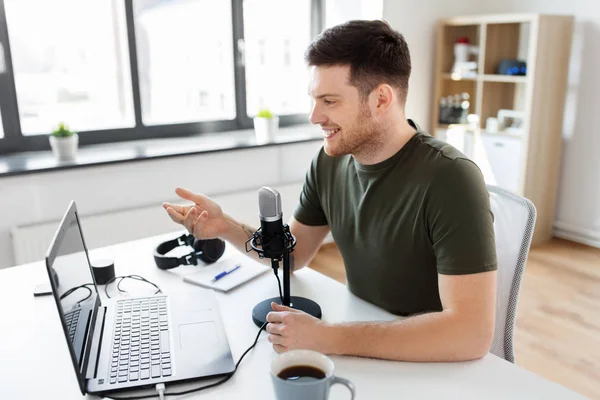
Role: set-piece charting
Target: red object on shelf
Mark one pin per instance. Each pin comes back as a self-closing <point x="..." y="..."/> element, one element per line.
<point x="463" y="39"/>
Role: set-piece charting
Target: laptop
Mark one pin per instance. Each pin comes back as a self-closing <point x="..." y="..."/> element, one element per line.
<point x="132" y="342"/>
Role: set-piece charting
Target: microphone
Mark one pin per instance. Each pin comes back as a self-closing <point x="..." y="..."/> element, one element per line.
<point x="276" y="242"/>
<point x="271" y="225"/>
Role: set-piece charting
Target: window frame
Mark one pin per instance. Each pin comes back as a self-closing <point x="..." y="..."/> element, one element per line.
<point x="15" y="142"/>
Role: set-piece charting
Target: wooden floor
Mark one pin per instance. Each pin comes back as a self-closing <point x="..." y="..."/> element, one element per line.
<point x="557" y="331"/>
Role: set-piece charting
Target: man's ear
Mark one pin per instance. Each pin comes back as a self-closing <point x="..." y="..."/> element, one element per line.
<point x="384" y="97"/>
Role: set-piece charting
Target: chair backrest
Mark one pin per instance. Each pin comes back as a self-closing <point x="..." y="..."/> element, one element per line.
<point x="514" y="221"/>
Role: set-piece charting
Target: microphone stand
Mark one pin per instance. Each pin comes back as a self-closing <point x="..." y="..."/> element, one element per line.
<point x="260" y="311"/>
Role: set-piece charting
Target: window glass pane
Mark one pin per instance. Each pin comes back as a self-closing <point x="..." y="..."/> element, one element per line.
<point x="185" y="60"/>
<point x="71" y="64"/>
<point x="276" y="35"/>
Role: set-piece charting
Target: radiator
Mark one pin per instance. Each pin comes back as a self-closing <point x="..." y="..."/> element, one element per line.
<point x="31" y="242"/>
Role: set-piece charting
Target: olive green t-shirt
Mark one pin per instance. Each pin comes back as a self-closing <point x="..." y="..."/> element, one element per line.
<point x="399" y="223"/>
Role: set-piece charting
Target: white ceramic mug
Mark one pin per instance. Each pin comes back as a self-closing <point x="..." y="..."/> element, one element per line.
<point x="314" y="389"/>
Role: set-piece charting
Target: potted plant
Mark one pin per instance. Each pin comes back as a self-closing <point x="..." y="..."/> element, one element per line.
<point x="64" y="143"/>
<point x="266" y="126"/>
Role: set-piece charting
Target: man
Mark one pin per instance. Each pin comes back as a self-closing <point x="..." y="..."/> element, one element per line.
<point x="409" y="213"/>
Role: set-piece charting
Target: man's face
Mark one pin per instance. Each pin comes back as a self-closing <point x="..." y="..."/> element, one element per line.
<point x="347" y="122"/>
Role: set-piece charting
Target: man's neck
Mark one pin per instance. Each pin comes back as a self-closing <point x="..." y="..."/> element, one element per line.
<point x="393" y="138"/>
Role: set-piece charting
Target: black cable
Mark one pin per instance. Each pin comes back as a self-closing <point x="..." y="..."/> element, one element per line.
<point x="220" y="382"/>
<point x="228" y="376"/>
<point x="121" y="278"/>
<point x="84" y="286"/>
<point x="119" y="285"/>
<point x="279" y="285"/>
<point x="275" y="267"/>
<point x="141" y="278"/>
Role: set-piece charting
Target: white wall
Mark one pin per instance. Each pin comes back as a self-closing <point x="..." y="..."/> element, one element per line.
<point x="578" y="212"/>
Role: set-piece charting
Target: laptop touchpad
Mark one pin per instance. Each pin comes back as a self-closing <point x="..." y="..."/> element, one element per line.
<point x="197" y="338"/>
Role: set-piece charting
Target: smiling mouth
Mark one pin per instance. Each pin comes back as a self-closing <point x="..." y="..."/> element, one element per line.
<point x="330" y="132"/>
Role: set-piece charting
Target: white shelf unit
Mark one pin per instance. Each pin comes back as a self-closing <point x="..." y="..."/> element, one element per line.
<point x="529" y="163"/>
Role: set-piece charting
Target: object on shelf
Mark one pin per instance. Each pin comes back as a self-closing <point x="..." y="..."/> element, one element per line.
<point x="446" y="110"/>
<point x="491" y="125"/>
<point x="454" y="109"/>
<point x="512" y="67"/>
<point x="511" y="121"/>
<point x="463" y="137"/>
<point x="463" y="67"/>
<point x="473" y="121"/>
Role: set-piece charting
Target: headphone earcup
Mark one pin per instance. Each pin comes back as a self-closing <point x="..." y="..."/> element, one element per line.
<point x="212" y="249"/>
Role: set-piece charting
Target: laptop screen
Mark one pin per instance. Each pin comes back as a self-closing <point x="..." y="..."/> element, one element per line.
<point x="73" y="286"/>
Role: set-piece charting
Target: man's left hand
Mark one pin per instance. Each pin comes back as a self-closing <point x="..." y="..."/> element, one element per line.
<point x="291" y="329"/>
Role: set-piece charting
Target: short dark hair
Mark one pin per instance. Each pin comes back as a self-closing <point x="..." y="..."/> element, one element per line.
<point x="375" y="52"/>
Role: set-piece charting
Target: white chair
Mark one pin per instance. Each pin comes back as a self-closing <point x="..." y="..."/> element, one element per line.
<point x="514" y="221"/>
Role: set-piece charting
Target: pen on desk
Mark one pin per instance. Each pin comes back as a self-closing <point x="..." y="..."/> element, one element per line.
<point x="226" y="272"/>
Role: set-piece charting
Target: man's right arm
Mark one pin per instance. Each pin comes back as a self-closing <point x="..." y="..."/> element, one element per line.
<point x="308" y="240"/>
<point x="206" y="220"/>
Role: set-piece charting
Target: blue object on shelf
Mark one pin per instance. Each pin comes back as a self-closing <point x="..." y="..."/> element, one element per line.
<point x="512" y="67"/>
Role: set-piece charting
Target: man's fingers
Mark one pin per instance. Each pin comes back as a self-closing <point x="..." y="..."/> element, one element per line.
<point x="201" y="217"/>
<point x="176" y="207"/>
<point x="279" y="348"/>
<point x="185" y="194"/>
<point x="276" y="339"/>
<point x="175" y="216"/>
<point x="198" y="199"/>
<point x="189" y="220"/>
<point x="275" y="329"/>
<point x="279" y="307"/>
<point x="274" y="317"/>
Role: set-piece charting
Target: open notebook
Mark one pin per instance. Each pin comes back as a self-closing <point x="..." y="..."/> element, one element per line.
<point x="248" y="270"/>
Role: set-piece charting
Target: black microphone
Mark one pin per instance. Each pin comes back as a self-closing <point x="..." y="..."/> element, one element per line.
<point x="276" y="242"/>
<point x="271" y="223"/>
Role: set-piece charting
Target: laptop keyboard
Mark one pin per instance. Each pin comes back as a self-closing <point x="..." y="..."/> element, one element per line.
<point x="71" y="318"/>
<point x="141" y="340"/>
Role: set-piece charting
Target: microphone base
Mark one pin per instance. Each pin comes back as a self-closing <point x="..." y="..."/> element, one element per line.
<point x="260" y="311"/>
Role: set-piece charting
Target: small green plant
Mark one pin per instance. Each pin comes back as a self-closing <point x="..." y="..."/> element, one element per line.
<point x="62" y="131"/>
<point x="264" y="113"/>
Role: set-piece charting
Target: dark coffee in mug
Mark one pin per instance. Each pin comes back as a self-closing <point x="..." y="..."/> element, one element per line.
<point x="305" y="375"/>
<point x="301" y="373"/>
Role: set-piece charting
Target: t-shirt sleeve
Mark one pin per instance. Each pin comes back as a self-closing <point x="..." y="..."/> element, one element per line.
<point x="309" y="210"/>
<point x="460" y="220"/>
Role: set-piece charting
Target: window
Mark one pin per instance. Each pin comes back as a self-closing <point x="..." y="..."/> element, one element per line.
<point x="116" y="70"/>
<point x="185" y="60"/>
<point x="276" y="76"/>
<point x="70" y="64"/>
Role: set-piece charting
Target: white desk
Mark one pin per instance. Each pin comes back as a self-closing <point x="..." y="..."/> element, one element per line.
<point x="35" y="363"/>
